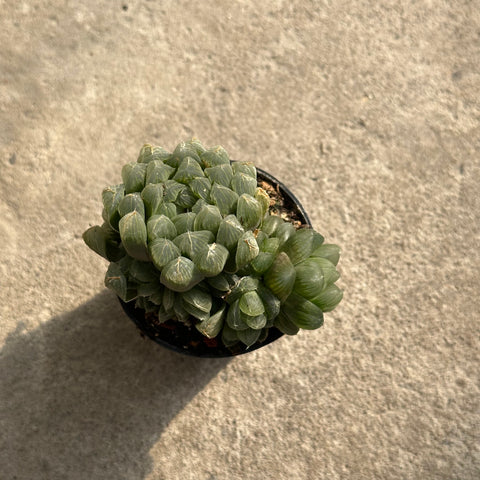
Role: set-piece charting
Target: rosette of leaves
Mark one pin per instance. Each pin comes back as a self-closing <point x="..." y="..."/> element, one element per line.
<point x="189" y="237"/>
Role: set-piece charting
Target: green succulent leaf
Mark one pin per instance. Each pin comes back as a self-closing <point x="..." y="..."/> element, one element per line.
<point x="210" y="258"/>
<point x="219" y="282"/>
<point x="224" y="198"/>
<point x="162" y="251"/>
<point x="198" y="298"/>
<point x="234" y="317"/>
<point x="172" y="190"/>
<point x="186" y="198"/>
<point x="131" y="203"/>
<point x="182" y="151"/>
<point x="270" y="224"/>
<point x="256" y="323"/>
<point x="188" y="170"/>
<point x="100" y="241"/>
<point x="247" y="249"/>
<point x="299" y="246"/>
<point x="115" y="280"/>
<point x="261" y="196"/>
<point x="196" y="144"/>
<point x="208" y="218"/>
<point x="133" y="176"/>
<point x="221" y="174"/>
<point x="184" y="222"/>
<point x="143" y="272"/>
<point x="249" y="211"/>
<point x="270" y="302"/>
<point x="199" y="204"/>
<point x="148" y="153"/>
<point x="152" y="196"/>
<point x="229" y="231"/>
<point x="214" y="156"/>
<point x="329" y="251"/>
<point x="133" y="232"/>
<point x="168" y="299"/>
<point x="201" y="187"/>
<point x="330" y="273"/>
<point x="303" y="313"/>
<point x="158" y="172"/>
<point x="242" y="286"/>
<point x="168" y="209"/>
<point x="190" y="243"/>
<point x="213" y="325"/>
<point x="309" y="281"/>
<point x="180" y="275"/>
<point x="285" y="325"/>
<point x="328" y="299"/>
<point x="248" y="168"/>
<point x="249" y="336"/>
<point x="243" y="183"/>
<point x="148" y="289"/>
<point x="229" y="336"/>
<point x="251" y="304"/>
<point x="179" y="310"/>
<point x="284" y="231"/>
<point x="280" y="277"/>
<point x="262" y="262"/>
<point x="160" y="226"/>
<point x="111" y="197"/>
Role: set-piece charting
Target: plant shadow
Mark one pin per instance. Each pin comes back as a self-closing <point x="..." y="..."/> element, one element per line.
<point x="84" y="396"/>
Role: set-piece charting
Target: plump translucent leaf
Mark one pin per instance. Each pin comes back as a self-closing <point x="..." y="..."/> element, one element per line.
<point x="162" y="251"/>
<point x="280" y="277"/>
<point x="248" y="337"/>
<point x="330" y="273"/>
<point x="257" y="322"/>
<point x="251" y="304"/>
<point x="130" y="203"/>
<point x="270" y="245"/>
<point x="263" y="199"/>
<point x="188" y="170"/>
<point x="171" y="190"/>
<point x="229" y="336"/>
<point x="249" y="211"/>
<point x="210" y="259"/>
<point x="157" y="297"/>
<point x="133" y="176"/>
<point x="242" y="286"/>
<point x="112" y="196"/>
<point x="196" y="144"/>
<point x="191" y="243"/>
<point x="224" y="198"/>
<point x="303" y="313"/>
<point x="262" y="262"/>
<point x="242" y="183"/>
<point x="328" y="299"/>
<point x="221" y="174"/>
<point x="329" y="251"/>
<point x="270" y="302"/>
<point x="198" y="298"/>
<point x="143" y="272"/>
<point x="184" y="222"/>
<point x="284" y="231"/>
<point x="160" y="226"/>
<point x="214" y="156"/>
<point x="168" y="299"/>
<point x="180" y="275"/>
<point x="158" y="172"/>
<point x="213" y="325"/>
<point x="229" y="231"/>
<point x="149" y="153"/>
<point x="179" y="310"/>
<point x="299" y="246"/>
<point x="285" y="325"/>
<point x="196" y="313"/>
<point x="201" y="187"/>
<point x="271" y="223"/>
<point x="260" y="236"/>
<point x="115" y="280"/>
<point x="248" y="168"/>
<point x="247" y="249"/>
<point x="234" y="319"/>
<point x="182" y="150"/>
<point x="100" y="241"/>
<point x="152" y="196"/>
<point x="309" y="280"/>
<point x="208" y="218"/>
<point x="186" y="198"/>
<point x="168" y="209"/>
<point x="219" y="282"/>
<point x="147" y="289"/>
<point x="200" y="203"/>
<point x="133" y="232"/>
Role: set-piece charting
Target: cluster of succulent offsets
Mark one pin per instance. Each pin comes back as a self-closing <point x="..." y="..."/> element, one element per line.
<point x="190" y="238"/>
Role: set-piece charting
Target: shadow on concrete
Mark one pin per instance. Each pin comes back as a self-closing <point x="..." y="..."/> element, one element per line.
<point x="84" y="396"/>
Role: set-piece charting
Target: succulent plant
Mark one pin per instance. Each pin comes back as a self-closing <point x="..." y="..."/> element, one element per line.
<point x="189" y="237"/>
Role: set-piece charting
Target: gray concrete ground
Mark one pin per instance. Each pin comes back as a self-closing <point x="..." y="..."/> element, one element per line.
<point x="370" y="112"/>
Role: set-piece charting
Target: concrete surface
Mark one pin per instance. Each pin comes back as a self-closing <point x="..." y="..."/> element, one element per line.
<point x="370" y="112"/>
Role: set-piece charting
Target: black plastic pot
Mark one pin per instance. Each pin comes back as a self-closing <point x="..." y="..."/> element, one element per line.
<point x="168" y="337"/>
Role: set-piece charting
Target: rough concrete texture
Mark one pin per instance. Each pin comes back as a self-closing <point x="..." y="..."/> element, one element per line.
<point x="370" y="112"/>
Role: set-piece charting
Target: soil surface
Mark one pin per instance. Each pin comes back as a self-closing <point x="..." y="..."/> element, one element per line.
<point x="369" y="112"/>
